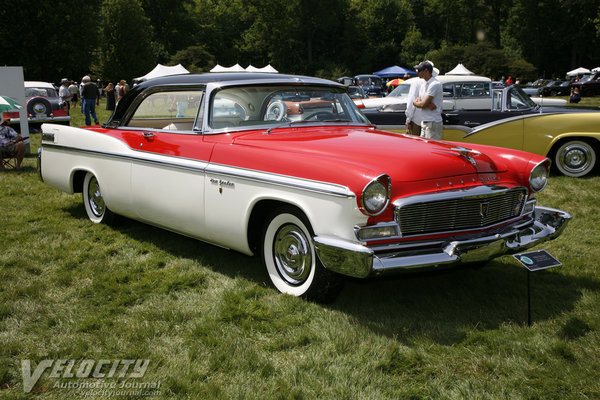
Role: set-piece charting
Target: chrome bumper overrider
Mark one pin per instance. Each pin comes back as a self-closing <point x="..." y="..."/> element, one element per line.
<point x="357" y="260"/>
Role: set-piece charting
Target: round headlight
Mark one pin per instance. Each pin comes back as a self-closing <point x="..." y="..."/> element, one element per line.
<point x="538" y="178"/>
<point x="376" y="195"/>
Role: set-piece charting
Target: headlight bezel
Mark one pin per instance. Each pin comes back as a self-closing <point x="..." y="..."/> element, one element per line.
<point x="381" y="185"/>
<point x="538" y="176"/>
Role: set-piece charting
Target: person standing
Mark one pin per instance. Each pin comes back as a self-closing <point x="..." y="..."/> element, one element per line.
<point x="110" y="96"/>
<point x="73" y="90"/>
<point x="122" y="89"/>
<point x="89" y="94"/>
<point x="64" y="94"/>
<point x="430" y="94"/>
<point x="413" y="114"/>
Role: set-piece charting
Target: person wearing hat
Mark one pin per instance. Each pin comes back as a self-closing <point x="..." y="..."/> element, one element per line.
<point x="11" y="144"/>
<point x="64" y="93"/>
<point x="429" y="100"/>
<point x="89" y="94"/>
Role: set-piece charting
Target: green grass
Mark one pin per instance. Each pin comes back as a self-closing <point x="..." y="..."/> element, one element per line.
<point x="212" y="328"/>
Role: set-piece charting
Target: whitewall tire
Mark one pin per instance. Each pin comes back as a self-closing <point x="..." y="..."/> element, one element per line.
<point x="93" y="201"/>
<point x="290" y="259"/>
<point x="575" y="158"/>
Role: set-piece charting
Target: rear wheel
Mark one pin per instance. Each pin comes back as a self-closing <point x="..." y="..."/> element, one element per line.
<point x="93" y="201"/>
<point x="575" y="158"/>
<point x="289" y="256"/>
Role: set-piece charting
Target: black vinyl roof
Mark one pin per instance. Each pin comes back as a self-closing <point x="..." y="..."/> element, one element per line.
<point x="203" y="79"/>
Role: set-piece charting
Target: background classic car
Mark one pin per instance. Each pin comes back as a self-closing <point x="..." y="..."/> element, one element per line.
<point x="43" y="105"/>
<point x="288" y="168"/>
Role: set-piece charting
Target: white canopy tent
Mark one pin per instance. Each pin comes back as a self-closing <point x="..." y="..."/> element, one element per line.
<point x="578" y="71"/>
<point x="238" y="68"/>
<point x="163" y="70"/>
<point x="459" y="70"/>
<point x="597" y="69"/>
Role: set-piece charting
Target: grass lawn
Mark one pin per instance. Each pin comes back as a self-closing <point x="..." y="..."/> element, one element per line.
<point x="211" y="327"/>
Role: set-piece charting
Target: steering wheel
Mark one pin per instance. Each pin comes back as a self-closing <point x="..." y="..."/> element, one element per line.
<point x="276" y="111"/>
<point x="321" y="116"/>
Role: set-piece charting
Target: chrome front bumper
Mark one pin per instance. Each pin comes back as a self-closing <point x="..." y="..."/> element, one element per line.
<point x="359" y="261"/>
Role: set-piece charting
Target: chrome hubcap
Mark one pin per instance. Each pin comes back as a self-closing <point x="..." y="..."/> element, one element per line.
<point x="576" y="158"/>
<point x="95" y="198"/>
<point x="292" y="254"/>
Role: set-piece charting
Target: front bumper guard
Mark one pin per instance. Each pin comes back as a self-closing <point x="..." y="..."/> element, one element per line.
<point x="359" y="261"/>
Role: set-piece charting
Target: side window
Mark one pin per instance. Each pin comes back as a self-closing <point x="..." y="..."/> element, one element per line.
<point x="169" y="110"/>
<point x="476" y="89"/>
<point x="448" y="90"/>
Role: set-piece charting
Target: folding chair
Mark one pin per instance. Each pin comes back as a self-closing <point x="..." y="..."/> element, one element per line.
<point x="9" y="162"/>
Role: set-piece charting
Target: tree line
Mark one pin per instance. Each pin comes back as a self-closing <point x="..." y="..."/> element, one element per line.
<point x="123" y="39"/>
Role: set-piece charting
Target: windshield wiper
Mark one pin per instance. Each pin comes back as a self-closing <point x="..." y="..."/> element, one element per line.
<point x="286" y="124"/>
<point x="303" y="121"/>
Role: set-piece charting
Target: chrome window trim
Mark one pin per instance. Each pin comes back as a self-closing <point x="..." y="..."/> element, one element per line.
<point x="205" y="167"/>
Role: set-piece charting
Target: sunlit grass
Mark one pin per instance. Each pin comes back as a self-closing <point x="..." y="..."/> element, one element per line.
<point x="212" y="328"/>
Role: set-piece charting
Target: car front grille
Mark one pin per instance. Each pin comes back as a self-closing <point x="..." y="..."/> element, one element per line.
<point x="460" y="210"/>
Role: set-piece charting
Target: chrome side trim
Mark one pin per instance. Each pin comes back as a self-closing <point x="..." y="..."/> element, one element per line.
<point x="357" y="260"/>
<point x="504" y="120"/>
<point x="205" y="167"/>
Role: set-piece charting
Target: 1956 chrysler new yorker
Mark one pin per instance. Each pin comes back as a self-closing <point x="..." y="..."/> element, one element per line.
<point x="287" y="167"/>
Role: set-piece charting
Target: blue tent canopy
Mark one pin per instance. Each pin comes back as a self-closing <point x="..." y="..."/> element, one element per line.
<point x="394" y="72"/>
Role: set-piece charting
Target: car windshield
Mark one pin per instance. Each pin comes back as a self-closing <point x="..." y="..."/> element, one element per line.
<point x="368" y="81"/>
<point x="356" y="92"/>
<point x="518" y="100"/>
<point x="400" y="91"/>
<point x="40" y="91"/>
<point x="586" y="78"/>
<point x="252" y="106"/>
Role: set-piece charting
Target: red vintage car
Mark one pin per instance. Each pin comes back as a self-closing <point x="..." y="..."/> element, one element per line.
<point x="318" y="193"/>
<point x="43" y="105"/>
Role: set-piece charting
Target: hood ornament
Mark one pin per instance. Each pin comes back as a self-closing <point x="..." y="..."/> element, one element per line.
<point x="467" y="153"/>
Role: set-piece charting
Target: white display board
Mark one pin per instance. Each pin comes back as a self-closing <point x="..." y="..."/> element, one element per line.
<point x="12" y="84"/>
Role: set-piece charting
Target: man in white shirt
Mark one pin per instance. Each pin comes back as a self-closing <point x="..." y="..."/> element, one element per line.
<point x="429" y="94"/>
<point x="413" y="114"/>
<point x="64" y="94"/>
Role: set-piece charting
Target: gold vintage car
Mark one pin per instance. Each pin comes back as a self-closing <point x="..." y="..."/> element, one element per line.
<point x="570" y="140"/>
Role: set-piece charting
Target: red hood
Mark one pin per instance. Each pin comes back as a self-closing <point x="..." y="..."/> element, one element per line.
<point x="402" y="157"/>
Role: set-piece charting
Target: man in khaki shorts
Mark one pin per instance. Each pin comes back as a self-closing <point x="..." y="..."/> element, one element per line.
<point x="430" y="102"/>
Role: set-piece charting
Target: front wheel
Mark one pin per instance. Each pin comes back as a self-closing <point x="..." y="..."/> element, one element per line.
<point x="289" y="256"/>
<point x="575" y="158"/>
<point x="93" y="201"/>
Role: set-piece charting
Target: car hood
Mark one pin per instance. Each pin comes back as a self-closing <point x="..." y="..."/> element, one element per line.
<point x="402" y="157"/>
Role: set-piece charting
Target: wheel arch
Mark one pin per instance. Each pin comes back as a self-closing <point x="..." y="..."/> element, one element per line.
<point x="77" y="178"/>
<point x="591" y="139"/>
<point x="257" y="217"/>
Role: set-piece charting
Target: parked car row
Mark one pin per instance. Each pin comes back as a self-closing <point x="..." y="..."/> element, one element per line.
<point x="288" y="168"/>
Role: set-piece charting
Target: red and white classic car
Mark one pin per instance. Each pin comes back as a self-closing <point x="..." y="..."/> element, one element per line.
<point x="287" y="167"/>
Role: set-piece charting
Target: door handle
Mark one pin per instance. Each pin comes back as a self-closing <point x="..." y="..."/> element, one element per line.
<point x="148" y="135"/>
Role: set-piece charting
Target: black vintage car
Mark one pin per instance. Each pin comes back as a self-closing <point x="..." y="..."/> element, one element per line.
<point x="589" y="85"/>
<point x="556" y="88"/>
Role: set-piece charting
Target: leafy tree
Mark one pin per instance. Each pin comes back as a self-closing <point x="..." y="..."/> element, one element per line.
<point x="126" y="49"/>
<point x="51" y="40"/>
<point x="195" y="59"/>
